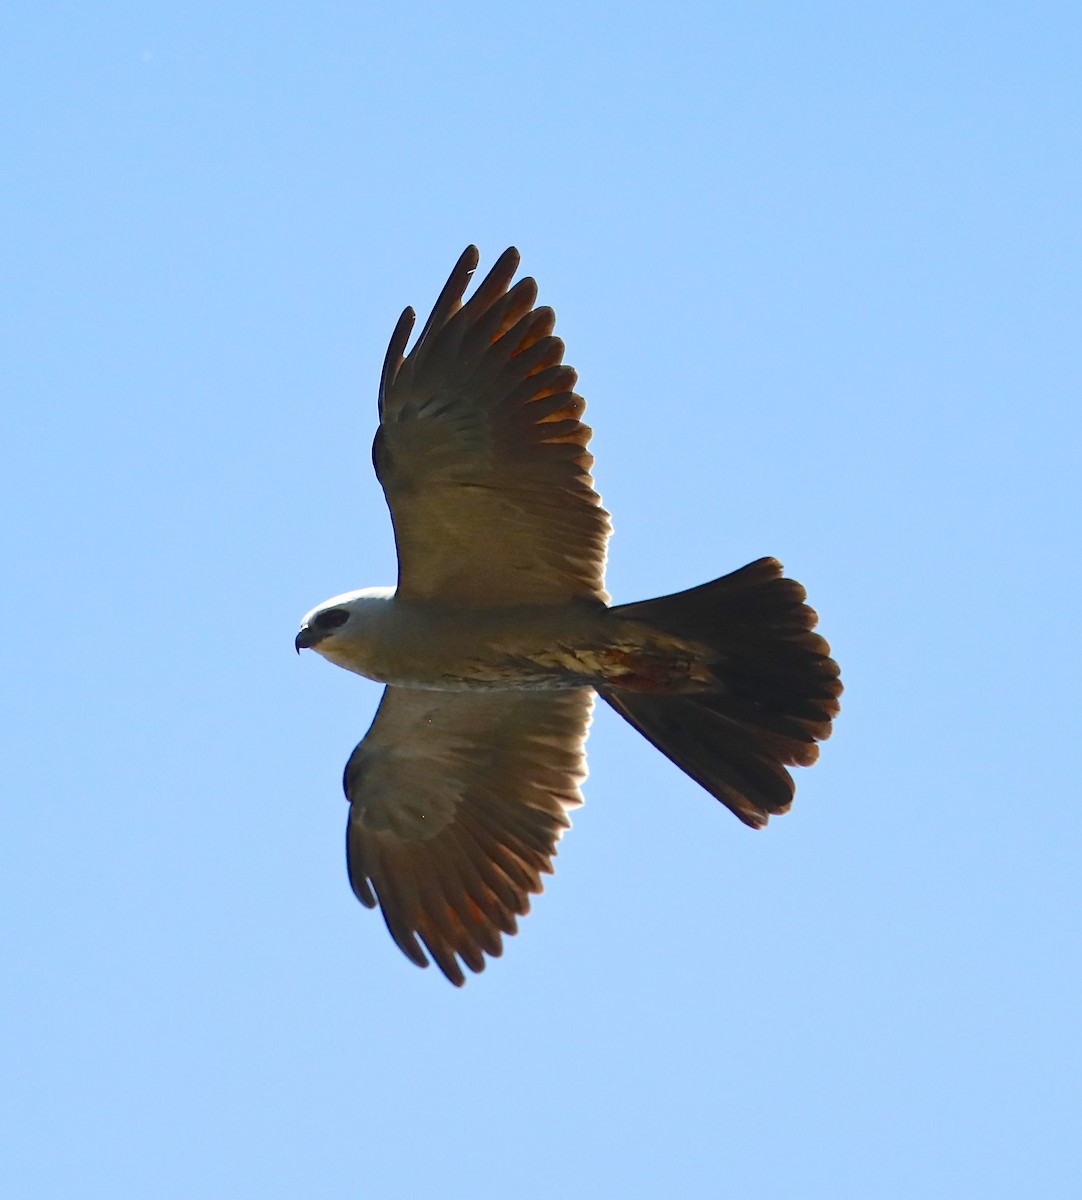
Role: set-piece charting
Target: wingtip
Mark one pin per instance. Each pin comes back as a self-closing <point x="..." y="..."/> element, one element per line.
<point x="509" y="259"/>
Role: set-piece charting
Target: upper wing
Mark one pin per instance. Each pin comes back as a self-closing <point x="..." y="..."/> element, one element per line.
<point x="482" y="455"/>
<point x="457" y="801"/>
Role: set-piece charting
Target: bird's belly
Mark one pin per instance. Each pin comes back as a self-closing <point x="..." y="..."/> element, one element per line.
<point x="519" y="649"/>
<point x="516" y="664"/>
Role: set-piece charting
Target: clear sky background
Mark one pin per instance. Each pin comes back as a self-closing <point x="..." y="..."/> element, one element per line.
<point x="819" y="268"/>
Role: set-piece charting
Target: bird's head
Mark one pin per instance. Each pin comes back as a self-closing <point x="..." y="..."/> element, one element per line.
<point x="337" y="625"/>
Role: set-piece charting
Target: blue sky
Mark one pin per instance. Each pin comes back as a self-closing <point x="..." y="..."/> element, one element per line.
<point x="818" y="266"/>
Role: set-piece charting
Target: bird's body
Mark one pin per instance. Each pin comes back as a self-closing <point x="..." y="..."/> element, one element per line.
<point x="448" y="648"/>
<point x="499" y="633"/>
<point x="555" y="647"/>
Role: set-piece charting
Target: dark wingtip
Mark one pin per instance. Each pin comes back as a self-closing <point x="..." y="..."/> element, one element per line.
<point x="395" y="353"/>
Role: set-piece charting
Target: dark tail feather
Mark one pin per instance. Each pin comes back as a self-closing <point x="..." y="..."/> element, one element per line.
<point x="777" y="688"/>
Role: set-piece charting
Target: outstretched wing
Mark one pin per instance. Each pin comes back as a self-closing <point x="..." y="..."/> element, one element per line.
<point x="482" y="455"/>
<point x="457" y="801"/>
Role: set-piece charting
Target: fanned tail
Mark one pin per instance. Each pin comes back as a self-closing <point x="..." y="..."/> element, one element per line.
<point x="776" y="691"/>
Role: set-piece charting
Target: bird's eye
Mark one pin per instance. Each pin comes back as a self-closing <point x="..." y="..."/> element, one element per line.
<point x="331" y="618"/>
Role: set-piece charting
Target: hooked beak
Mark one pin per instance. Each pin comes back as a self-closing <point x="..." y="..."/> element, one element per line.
<point x="307" y="638"/>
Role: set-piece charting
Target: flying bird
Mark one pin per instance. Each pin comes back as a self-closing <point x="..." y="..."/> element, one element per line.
<point x="500" y="633"/>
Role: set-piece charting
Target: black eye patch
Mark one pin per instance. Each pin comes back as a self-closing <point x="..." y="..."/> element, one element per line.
<point x="331" y="618"/>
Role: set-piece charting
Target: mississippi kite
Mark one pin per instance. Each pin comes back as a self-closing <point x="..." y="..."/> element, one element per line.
<point x="499" y="633"/>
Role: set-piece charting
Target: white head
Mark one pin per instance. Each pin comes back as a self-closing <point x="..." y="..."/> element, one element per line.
<point x="342" y="622"/>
